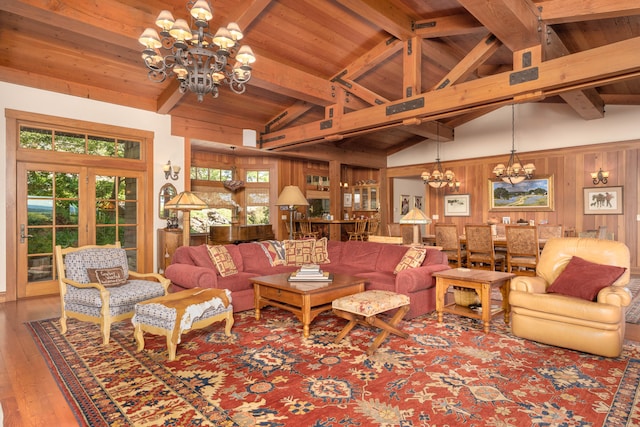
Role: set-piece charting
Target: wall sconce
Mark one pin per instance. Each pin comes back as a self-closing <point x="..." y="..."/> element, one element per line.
<point x="600" y="177"/>
<point x="454" y="186"/>
<point x="171" y="171"/>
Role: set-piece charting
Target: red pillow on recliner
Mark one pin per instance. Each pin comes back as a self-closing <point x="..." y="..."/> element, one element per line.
<point x="584" y="279"/>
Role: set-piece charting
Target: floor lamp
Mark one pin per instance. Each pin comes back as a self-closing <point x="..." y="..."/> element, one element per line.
<point x="291" y="196"/>
<point x="186" y="202"/>
<point x="415" y="217"/>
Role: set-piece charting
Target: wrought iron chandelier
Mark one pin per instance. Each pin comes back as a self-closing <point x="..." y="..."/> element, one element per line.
<point x="199" y="60"/>
<point x="514" y="172"/>
<point x="438" y="178"/>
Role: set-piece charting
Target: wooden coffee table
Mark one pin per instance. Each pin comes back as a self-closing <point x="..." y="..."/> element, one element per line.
<point x="304" y="299"/>
<point x="479" y="280"/>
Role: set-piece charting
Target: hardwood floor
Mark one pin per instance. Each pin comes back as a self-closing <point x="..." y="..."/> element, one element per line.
<point x="29" y="395"/>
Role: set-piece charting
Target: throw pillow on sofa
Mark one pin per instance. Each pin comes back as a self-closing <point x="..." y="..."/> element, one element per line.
<point x="412" y="259"/>
<point x="298" y="252"/>
<point x="222" y="260"/>
<point x="275" y="252"/>
<point x="584" y="279"/>
<point x="320" y="252"/>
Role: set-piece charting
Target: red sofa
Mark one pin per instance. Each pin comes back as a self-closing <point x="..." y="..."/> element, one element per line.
<point x="192" y="267"/>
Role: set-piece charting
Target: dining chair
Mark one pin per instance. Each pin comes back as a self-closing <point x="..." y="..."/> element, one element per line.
<point x="372" y="227"/>
<point x="447" y="238"/>
<point x="306" y="232"/>
<point x="547" y="231"/>
<point x="523" y="249"/>
<point x="480" y="250"/>
<point x="359" y="229"/>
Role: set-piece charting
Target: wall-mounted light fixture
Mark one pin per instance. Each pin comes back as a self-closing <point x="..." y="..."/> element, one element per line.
<point x="600" y="177"/>
<point x="171" y="171"/>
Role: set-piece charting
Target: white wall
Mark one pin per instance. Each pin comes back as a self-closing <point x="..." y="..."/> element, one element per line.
<point x="166" y="147"/>
<point x="537" y="127"/>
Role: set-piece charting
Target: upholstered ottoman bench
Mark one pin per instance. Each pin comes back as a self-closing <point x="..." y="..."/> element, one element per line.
<point x="363" y="308"/>
<point x="174" y="314"/>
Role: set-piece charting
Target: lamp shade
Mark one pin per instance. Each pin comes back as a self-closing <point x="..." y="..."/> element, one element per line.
<point x="415" y="216"/>
<point x="186" y="201"/>
<point x="291" y="196"/>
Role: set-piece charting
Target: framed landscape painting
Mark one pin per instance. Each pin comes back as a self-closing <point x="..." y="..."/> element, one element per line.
<point x="457" y="205"/>
<point x="602" y="200"/>
<point x="529" y="195"/>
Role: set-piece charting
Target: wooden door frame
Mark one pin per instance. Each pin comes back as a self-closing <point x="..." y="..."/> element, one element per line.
<point x="145" y="165"/>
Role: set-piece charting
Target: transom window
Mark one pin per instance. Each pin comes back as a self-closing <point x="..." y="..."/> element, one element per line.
<point x="211" y="174"/>
<point x="49" y="139"/>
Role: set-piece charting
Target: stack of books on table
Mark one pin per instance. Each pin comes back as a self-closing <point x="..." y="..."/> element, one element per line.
<point x="310" y="272"/>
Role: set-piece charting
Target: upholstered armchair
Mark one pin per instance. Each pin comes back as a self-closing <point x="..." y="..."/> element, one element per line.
<point x="97" y="286"/>
<point x="578" y="297"/>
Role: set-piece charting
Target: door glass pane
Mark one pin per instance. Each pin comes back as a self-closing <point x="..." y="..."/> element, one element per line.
<point x="374" y="199"/>
<point x="67" y="236"/>
<point x="105" y="235"/>
<point x="127" y="212"/>
<point x="40" y="268"/>
<point x="40" y="183"/>
<point x="39" y="211"/>
<point x="128" y="237"/>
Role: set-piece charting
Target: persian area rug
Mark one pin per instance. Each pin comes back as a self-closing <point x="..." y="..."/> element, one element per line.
<point x="267" y="374"/>
<point x="632" y="314"/>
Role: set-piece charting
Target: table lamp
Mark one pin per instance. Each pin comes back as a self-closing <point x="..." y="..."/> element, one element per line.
<point x="186" y="202"/>
<point x="291" y="196"/>
<point x="415" y="217"/>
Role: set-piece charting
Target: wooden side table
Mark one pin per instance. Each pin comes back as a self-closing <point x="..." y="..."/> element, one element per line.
<point x="479" y="280"/>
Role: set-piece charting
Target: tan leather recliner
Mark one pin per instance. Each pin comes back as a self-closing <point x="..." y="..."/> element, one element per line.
<point x="590" y="326"/>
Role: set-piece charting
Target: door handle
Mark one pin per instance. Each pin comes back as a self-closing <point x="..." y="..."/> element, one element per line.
<point x="23" y="236"/>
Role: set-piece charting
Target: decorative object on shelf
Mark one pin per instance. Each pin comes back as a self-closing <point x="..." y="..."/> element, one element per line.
<point x="438" y="178"/>
<point x="171" y="171"/>
<point x="291" y="196"/>
<point x="415" y="217"/>
<point x="600" y="177"/>
<point x="186" y="202"/>
<point x="198" y="59"/>
<point x="514" y="172"/>
<point x="234" y="184"/>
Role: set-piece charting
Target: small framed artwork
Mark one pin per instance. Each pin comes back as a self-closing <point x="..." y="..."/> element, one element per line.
<point x="404" y="204"/>
<point x="348" y="200"/>
<point x="457" y="205"/>
<point x="417" y="202"/>
<point x="603" y="200"/>
<point x="506" y="220"/>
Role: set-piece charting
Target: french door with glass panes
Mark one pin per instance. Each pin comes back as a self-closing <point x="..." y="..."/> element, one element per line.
<point x="72" y="206"/>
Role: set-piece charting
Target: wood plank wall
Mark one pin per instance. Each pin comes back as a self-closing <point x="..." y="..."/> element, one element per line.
<point x="570" y="168"/>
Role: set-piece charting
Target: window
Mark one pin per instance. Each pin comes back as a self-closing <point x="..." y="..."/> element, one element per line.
<point x="211" y="174"/>
<point x="257" y="176"/>
<point x="49" y="139"/>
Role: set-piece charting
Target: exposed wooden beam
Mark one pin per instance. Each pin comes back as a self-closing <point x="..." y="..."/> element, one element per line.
<point x="562" y="11"/>
<point x="514" y="22"/>
<point x="365" y="63"/>
<point x="412" y="67"/>
<point x="383" y="14"/>
<point x="487" y="46"/>
<point x="447" y="26"/>
<point x="587" y="102"/>
<point x="608" y="64"/>
<point x="288" y="115"/>
<point x="280" y="78"/>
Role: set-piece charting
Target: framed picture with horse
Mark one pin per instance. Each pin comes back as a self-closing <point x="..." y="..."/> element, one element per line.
<point x="603" y="200"/>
